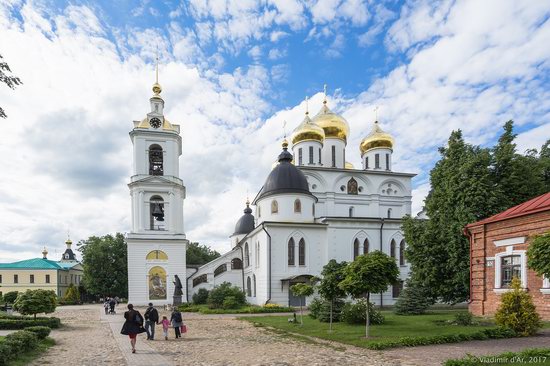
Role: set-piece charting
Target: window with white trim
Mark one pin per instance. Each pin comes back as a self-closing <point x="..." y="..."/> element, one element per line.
<point x="509" y="264"/>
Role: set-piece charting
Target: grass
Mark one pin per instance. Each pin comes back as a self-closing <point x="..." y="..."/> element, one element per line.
<point x="26" y="358"/>
<point x="395" y="327"/>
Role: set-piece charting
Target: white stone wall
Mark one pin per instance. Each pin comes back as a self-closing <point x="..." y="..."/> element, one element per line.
<point x="285" y="203"/>
<point x="340" y="151"/>
<point x="305" y="146"/>
<point x="384" y="154"/>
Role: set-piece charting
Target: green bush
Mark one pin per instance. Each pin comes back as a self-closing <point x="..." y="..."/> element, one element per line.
<point x="219" y="293"/>
<point x="464" y="318"/>
<point x="189" y="308"/>
<point x="534" y="355"/>
<point x="32" y="302"/>
<point x="517" y="311"/>
<point x="354" y="313"/>
<point x="201" y="296"/>
<point x="9" y="297"/>
<point x="320" y="309"/>
<point x="72" y="296"/>
<point x="40" y="331"/>
<point x="411" y="301"/>
<point x="15" y="344"/>
<point x="230" y="302"/>
<point x="24" y="322"/>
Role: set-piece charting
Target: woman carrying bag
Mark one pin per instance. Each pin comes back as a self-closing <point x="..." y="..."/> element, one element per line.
<point x="177" y="322"/>
<point x="132" y="326"/>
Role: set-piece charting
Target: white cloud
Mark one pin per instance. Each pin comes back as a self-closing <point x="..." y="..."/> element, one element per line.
<point x="276" y="53"/>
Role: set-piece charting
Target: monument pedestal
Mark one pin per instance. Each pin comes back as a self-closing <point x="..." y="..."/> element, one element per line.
<point x="177" y="300"/>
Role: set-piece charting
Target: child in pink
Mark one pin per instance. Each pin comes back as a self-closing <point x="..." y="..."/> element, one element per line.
<point x="165" y="326"/>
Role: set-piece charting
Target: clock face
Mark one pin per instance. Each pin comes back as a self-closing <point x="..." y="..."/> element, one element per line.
<point x="155" y="122"/>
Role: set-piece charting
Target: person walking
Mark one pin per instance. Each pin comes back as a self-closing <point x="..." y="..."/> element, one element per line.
<point x="132" y="326"/>
<point x="165" y="325"/>
<point x="106" y="306"/>
<point x="151" y="319"/>
<point x="177" y="322"/>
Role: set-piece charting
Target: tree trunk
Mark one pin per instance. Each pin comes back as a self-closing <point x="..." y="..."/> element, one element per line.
<point x="301" y="314"/>
<point x="367" y="317"/>
<point x="330" y="326"/>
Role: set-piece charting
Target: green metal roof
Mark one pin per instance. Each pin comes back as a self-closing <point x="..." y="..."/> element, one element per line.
<point x="67" y="265"/>
<point x="35" y="263"/>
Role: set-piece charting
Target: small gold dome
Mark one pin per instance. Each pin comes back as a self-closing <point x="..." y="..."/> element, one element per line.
<point x="307" y="131"/>
<point x="377" y="138"/>
<point x="349" y="165"/>
<point x="334" y="125"/>
<point x="157" y="89"/>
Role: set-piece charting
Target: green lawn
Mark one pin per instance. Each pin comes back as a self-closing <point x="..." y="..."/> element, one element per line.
<point x="395" y="327"/>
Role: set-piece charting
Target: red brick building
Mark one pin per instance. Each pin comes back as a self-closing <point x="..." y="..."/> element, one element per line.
<point x="498" y="248"/>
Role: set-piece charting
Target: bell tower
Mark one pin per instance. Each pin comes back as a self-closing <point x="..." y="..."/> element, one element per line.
<point x="156" y="242"/>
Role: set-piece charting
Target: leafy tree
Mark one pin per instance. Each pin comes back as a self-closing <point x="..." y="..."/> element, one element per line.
<point x="105" y="265"/>
<point x="302" y="289"/>
<point x="8" y="79"/>
<point x="517" y="311"/>
<point x="538" y="255"/>
<point x="200" y="254"/>
<point x="32" y="302"/>
<point x="370" y="273"/>
<point x="9" y="297"/>
<point x="412" y="300"/>
<point x="328" y="287"/>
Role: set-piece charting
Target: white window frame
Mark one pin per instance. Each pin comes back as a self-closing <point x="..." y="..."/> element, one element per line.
<point x="498" y="263"/>
<point x="545" y="286"/>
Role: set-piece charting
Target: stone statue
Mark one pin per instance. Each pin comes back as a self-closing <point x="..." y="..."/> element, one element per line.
<point x="177" y="286"/>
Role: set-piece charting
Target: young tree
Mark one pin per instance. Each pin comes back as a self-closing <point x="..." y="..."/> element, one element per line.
<point x="32" y="302"/>
<point x="538" y="255"/>
<point x="370" y="273"/>
<point x="8" y="79"/>
<point x="302" y="289"/>
<point x="412" y="300"/>
<point x="9" y="297"/>
<point x="105" y="265"/>
<point x="72" y="296"/>
<point x="517" y="311"/>
<point x="328" y="287"/>
<point x="200" y="254"/>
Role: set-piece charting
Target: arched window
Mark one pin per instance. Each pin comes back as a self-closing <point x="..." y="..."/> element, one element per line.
<point x="155" y="160"/>
<point x="203" y="278"/>
<point x="355" y="248"/>
<point x="156" y="255"/>
<point x="291" y="260"/>
<point x="302" y="252"/>
<point x="248" y="287"/>
<point x="366" y="246"/>
<point x="274" y="207"/>
<point x="157" y="283"/>
<point x="246" y="256"/>
<point x="156" y="216"/>
<point x="402" y="253"/>
<point x="300" y="156"/>
<point x="254" y="284"/>
<point x="389" y="213"/>
<point x="352" y="186"/>
<point x="351" y="211"/>
<point x="221" y="269"/>
<point x="392" y="249"/>
<point x="236" y="263"/>
<point x="297" y="206"/>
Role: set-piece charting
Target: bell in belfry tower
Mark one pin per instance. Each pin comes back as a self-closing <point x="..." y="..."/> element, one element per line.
<point x="158" y="212"/>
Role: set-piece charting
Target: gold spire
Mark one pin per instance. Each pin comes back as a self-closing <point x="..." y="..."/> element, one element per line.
<point x="157" y="89"/>
<point x="325" y="91"/>
<point x="307" y="106"/>
<point x="285" y="143"/>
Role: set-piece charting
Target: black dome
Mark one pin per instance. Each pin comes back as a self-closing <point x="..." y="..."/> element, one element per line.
<point x="285" y="178"/>
<point x="245" y="223"/>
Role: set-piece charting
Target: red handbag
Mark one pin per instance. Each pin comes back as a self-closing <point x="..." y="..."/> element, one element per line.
<point x="183" y="328"/>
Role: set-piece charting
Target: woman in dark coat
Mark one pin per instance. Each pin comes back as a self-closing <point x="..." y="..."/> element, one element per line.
<point x="132" y="326"/>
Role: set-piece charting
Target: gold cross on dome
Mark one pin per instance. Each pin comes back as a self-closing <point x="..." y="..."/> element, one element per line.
<point x="376" y="113"/>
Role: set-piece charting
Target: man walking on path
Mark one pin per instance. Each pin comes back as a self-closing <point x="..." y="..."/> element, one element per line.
<point x="151" y="318"/>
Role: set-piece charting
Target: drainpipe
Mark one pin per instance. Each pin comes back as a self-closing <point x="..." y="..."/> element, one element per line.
<point x="242" y="265"/>
<point x="268" y="263"/>
<point x="468" y="234"/>
<point x="381" y="227"/>
<point x="187" y="284"/>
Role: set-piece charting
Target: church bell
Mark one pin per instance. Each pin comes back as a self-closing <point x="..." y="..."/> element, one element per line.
<point x="158" y="212"/>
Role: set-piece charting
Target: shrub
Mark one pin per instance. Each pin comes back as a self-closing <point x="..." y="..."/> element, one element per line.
<point x="354" y="313"/>
<point x="24" y="322"/>
<point x="219" y="293"/>
<point x="411" y="301"/>
<point x="40" y="331"/>
<point x="464" y="318"/>
<point x="9" y="297"/>
<point x="72" y="296"/>
<point x="517" y="311"/>
<point x="320" y="309"/>
<point x="15" y="344"/>
<point x="230" y="302"/>
<point x="32" y="302"/>
<point x="201" y="296"/>
<point x="189" y="308"/>
<point x="315" y="307"/>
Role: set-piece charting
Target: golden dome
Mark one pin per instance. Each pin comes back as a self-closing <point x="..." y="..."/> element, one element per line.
<point x="334" y="125"/>
<point x="377" y="138"/>
<point x="349" y="165"/>
<point x="157" y="89"/>
<point x="307" y="131"/>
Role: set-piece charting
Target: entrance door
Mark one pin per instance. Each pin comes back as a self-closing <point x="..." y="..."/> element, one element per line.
<point x="295" y="300"/>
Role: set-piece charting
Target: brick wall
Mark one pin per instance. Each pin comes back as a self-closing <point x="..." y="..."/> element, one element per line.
<point x="484" y="300"/>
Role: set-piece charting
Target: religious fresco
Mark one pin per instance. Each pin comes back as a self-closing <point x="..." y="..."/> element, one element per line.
<point x="157" y="283"/>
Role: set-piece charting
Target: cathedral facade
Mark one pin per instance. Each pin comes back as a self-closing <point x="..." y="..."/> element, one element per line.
<point x="313" y="207"/>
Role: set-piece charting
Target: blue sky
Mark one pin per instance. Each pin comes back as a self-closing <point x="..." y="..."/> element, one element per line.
<point x="232" y="72"/>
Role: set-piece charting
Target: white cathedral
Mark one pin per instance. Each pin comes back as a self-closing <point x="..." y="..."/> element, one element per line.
<point x="313" y="207"/>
